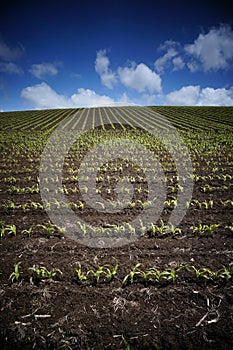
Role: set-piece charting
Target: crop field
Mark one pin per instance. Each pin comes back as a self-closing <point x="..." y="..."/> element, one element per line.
<point x="116" y="228"/>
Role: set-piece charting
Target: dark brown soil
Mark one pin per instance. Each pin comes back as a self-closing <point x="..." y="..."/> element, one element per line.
<point x="56" y="312"/>
<point x="62" y="313"/>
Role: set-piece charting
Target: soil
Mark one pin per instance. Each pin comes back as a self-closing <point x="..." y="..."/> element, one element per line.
<point x="62" y="313"/>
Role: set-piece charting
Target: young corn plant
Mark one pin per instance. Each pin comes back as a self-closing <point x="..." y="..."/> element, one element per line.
<point x="202" y="229"/>
<point x="159" y="230"/>
<point x="174" y="230"/>
<point x="224" y="273"/>
<point x="133" y="273"/>
<point x="147" y="276"/>
<point x="80" y="274"/>
<point x="97" y="273"/>
<point x="169" y="274"/>
<point x="171" y="203"/>
<point x="202" y="272"/>
<point x="27" y="232"/>
<point x="125" y="343"/>
<point x="9" y="230"/>
<point x="227" y="203"/>
<point x="205" y="204"/>
<point x="110" y="273"/>
<point x="51" y="229"/>
<point x="14" y="276"/>
<point x="43" y="273"/>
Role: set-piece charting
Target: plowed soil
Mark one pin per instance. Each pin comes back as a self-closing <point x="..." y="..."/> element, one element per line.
<point x="63" y="313"/>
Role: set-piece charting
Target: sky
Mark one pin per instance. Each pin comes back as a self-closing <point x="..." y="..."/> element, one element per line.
<point x="68" y="54"/>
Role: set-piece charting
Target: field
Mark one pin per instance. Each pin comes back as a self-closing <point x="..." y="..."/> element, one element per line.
<point x="116" y="228"/>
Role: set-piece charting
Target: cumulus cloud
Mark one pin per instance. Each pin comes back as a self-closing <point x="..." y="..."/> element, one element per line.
<point x="197" y="96"/>
<point x="187" y="95"/>
<point x="137" y="77"/>
<point x="171" y="49"/>
<point x="140" y="78"/>
<point x="43" y="96"/>
<point x="212" y="51"/>
<point x="10" y="68"/>
<point x="108" y="78"/>
<point x="216" y="97"/>
<point x="178" y="63"/>
<point x="162" y="62"/>
<point x="41" y="70"/>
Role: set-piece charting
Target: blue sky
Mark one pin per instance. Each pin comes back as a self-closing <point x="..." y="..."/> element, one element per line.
<point x="57" y="54"/>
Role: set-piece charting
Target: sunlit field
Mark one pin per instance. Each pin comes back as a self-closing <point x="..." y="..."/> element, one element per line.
<point x="168" y="285"/>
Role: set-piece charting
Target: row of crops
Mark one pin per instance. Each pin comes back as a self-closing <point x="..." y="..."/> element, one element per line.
<point x="182" y="117"/>
<point x="25" y="134"/>
<point x="151" y="184"/>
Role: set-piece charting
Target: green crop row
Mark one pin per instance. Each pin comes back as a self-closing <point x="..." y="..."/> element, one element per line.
<point x="152" y="275"/>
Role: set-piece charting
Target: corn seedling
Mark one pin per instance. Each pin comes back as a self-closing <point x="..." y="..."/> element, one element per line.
<point x="202" y="272"/>
<point x="224" y="273"/>
<point x="147" y="276"/>
<point x="169" y="274"/>
<point x="174" y="230"/>
<point x="51" y="229"/>
<point x="97" y="273"/>
<point x="14" y="276"/>
<point x="159" y="230"/>
<point x="171" y="203"/>
<point x="205" y="204"/>
<point x="131" y="229"/>
<point x="10" y="230"/>
<point x="80" y="275"/>
<point x="201" y="229"/>
<point x="227" y="203"/>
<point x="9" y="205"/>
<point x="42" y="272"/>
<point x="110" y="273"/>
<point x="130" y="277"/>
<point x="27" y="232"/>
<point x="126" y="344"/>
<point x="83" y="227"/>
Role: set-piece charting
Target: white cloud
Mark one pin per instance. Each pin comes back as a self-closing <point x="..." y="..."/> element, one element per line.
<point x="171" y="49"/>
<point x="163" y="61"/>
<point x="89" y="98"/>
<point x="187" y="95"/>
<point x="108" y="78"/>
<point x="212" y="51"/>
<point x="140" y="78"/>
<point x="197" y="96"/>
<point x="178" y="63"/>
<point x="43" y="96"/>
<point x="10" y="68"/>
<point x="216" y="97"/>
<point x="8" y="53"/>
<point x="41" y="70"/>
